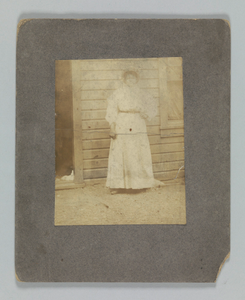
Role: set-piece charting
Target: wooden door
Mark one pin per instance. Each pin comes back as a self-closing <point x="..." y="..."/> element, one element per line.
<point x="171" y="96"/>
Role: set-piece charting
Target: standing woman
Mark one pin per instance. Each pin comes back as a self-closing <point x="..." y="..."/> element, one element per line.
<point x="130" y="163"/>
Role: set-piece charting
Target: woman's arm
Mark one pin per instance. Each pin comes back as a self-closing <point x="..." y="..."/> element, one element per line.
<point x="149" y="107"/>
<point x="111" y="114"/>
<point x="143" y="115"/>
<point x="112" y="133"/>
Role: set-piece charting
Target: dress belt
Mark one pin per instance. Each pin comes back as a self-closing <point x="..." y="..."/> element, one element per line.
<point x="129" y="112"/>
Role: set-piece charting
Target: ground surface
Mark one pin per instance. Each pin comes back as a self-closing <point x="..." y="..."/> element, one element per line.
<point x="94" y="205"/>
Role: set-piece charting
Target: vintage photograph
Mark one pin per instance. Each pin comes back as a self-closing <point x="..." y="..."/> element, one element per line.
<point x="119" y="142"/>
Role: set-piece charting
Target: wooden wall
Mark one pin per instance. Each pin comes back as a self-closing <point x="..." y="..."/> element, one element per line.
<point x="97" y="79"/>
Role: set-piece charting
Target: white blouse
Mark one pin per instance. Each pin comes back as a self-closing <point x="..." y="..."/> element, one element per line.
<point x="130" y="100"/>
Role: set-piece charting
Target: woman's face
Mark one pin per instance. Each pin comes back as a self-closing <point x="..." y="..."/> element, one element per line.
<point x="130" y="80"/>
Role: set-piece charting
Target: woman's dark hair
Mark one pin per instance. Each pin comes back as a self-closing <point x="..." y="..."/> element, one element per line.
<point x="130" y="72"/>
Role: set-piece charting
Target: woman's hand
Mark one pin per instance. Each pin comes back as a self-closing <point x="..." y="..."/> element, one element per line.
<point x="143" y="115"/>
<point x="112" y="133"/>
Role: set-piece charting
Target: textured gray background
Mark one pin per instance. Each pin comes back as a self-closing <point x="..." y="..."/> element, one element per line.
<point x="146" y="253"/>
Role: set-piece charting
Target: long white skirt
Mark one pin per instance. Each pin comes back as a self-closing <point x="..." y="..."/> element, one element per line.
<point x="130" y="163"/>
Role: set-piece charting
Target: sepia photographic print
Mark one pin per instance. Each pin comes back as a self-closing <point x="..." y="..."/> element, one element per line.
<point x="122" y="150"/>
<point x="119" y="142"/>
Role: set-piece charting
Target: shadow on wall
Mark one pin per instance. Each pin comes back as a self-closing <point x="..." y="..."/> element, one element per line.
<point x="63" y="119"/>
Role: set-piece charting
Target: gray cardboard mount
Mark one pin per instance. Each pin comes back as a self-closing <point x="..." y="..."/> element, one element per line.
<point x="124" y="253"/>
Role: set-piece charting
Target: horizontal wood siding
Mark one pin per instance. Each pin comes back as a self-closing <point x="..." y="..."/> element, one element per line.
<point x="100" y="115"/>
<point x="155" y="149"/>
<point x="99" y="79"/>
<point x="154" y="140"/>
<point x="156" y="158"/>
<point x="104" y="94"/>
<point x="151" y="130"/>
<point x="98" y="124"/>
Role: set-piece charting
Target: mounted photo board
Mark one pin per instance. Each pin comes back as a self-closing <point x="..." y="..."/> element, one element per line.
<point x="122" y="150"/>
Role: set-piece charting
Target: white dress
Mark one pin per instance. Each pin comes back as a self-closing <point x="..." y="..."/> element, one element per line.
<point x="130" y="163"/>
